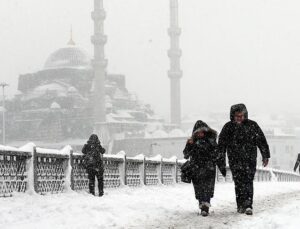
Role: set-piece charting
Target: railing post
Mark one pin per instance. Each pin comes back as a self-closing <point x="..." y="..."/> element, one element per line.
<point x="160" y="172"/>
<point x="30" y="173"/>
<point x="123" y="170"/>
<point x="72" y="170"/>
<point x="175" y="171"/>
<point x="35" y="177"/>
<point x="142" y="169"/>
<point x="68" y="172"/>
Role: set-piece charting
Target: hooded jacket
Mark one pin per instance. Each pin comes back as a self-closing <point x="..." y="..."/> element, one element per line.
<point x="93" y="151"/>
<point x="204" y="145"/>
<point x="203" y="151"/>
<point x="203" y="155"/>
<point x="241" y="140"/>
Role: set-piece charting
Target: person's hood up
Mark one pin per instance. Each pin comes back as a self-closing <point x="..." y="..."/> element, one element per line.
<point x="238" y="108"/>
<point x="202" y="126"/>
<point x="93" y="139"/>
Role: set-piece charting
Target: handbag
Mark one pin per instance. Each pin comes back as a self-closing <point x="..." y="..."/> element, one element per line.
<point x="186" y="172"/>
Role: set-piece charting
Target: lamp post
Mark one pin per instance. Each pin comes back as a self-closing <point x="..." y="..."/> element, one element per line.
<point x="3" y="85"/>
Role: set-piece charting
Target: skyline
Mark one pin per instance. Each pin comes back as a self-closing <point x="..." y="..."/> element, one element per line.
<point x="218" y="55"/>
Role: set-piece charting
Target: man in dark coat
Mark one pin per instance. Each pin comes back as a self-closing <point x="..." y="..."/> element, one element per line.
<point x="297" y="163"/>
<point x="201" y="150"/>
<point x="93" y="163"/>
<point x="240" y="137"/>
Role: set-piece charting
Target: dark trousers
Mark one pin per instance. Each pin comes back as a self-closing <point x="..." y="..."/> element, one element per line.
<point x="243" y="181"/>
<point x="92" y="173"/>
<point x="201" y="193"/>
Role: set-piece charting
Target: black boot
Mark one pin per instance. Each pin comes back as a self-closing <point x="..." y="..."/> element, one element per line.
<point x="100" y="185"/>
<point x="204" y="210"/>
<point x="249" y="211"/>
<point x="241" y="210"/>
<point x="92" y="188"/>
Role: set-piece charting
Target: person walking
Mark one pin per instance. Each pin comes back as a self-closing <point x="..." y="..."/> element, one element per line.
<point x="297" y="163"/>
<point x="201" y="150"/>
<point x="92" y="160"/>
<point x="240" y="138"/>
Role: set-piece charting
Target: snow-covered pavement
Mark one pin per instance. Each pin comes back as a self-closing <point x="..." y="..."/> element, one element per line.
<point x="277" y="205"/>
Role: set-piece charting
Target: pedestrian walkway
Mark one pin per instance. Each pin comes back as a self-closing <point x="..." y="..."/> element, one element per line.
<point x="162" y="206"/>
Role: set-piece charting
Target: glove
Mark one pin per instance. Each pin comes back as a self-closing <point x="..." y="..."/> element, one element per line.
<point x="265" y="162"/>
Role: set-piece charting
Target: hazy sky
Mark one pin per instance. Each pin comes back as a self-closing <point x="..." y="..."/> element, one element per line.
<point x="233" y="50"/>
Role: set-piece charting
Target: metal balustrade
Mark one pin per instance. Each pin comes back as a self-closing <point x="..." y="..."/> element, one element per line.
<point x="79" y="177"/>
<point x="55" y="171"/>
<point x="134" y="172"/>
<point x="152" y="172"/>
<point x="263" y="175"/>
<point x="168" y="172"/>
<point x="13" y="172"/>
<point x="112" y="173"/>
<point x="49" y="172"/>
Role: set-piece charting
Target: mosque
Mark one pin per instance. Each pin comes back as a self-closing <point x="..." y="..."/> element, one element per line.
<point x="73" y="95"/>
<point x="57" y="102"/>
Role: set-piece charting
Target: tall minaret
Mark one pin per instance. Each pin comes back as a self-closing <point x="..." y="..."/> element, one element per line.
<point x="71" y="41"/>
<point x="175" y="73"/>
<point x="99" y="65"/>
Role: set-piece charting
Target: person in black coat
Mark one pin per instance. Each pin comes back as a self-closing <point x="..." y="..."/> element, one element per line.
<point x="297" y="163"/>
<point x="240" y="137"/>
<point x="93" y="163"/>
<point x="201" y="150"/>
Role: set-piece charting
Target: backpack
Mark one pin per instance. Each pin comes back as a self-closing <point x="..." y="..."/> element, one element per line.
<point x="92" y="158"/>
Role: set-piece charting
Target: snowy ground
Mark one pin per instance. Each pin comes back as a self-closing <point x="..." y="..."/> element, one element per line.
<point x="277" y="205"/>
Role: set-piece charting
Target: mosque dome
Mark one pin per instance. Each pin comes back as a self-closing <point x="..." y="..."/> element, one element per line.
<point x="70" y="56"/>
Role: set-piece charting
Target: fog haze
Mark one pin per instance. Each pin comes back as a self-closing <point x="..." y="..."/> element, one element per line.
<point x="233" y="50"/>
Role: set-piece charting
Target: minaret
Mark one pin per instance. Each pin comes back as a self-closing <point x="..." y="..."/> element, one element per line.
<point x="71" y="41"/>
<point x="174" y="73"/>
<point x="99" y="65"/>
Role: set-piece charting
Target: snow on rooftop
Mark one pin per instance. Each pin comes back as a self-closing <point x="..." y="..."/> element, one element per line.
<point x="160" y="134"/>
<point x="177" y="133"/>
<point x="55" y="105"/>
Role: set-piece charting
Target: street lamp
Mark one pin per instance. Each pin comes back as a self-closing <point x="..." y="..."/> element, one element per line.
<point x="3" y="85"/>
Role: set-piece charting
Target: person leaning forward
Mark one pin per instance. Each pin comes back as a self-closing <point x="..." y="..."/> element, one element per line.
<point x="240" y="138"/>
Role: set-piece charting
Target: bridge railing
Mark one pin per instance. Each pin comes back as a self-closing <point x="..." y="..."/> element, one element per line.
<point x="48" y="171"/>
<point x="43" y="171"/>
<point x="264" y="175"/>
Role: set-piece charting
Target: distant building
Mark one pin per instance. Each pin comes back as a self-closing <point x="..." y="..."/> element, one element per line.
<point x="56" y="103"/>
<point x="284" y="149"/>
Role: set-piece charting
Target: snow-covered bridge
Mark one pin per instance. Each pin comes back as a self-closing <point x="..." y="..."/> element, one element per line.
<point x="276" y="205"/>
<point x="140" y="193"/>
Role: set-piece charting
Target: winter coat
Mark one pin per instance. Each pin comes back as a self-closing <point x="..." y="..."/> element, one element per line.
<point x="202" y="155"/>
<point x="92" y="150"/>
<point x="297" y="163"/>
<point x="241" y="142"/>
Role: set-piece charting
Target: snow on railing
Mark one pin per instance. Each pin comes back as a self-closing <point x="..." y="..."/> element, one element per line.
<point x="38" y="170"/>
<point x="264" y="175"/>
